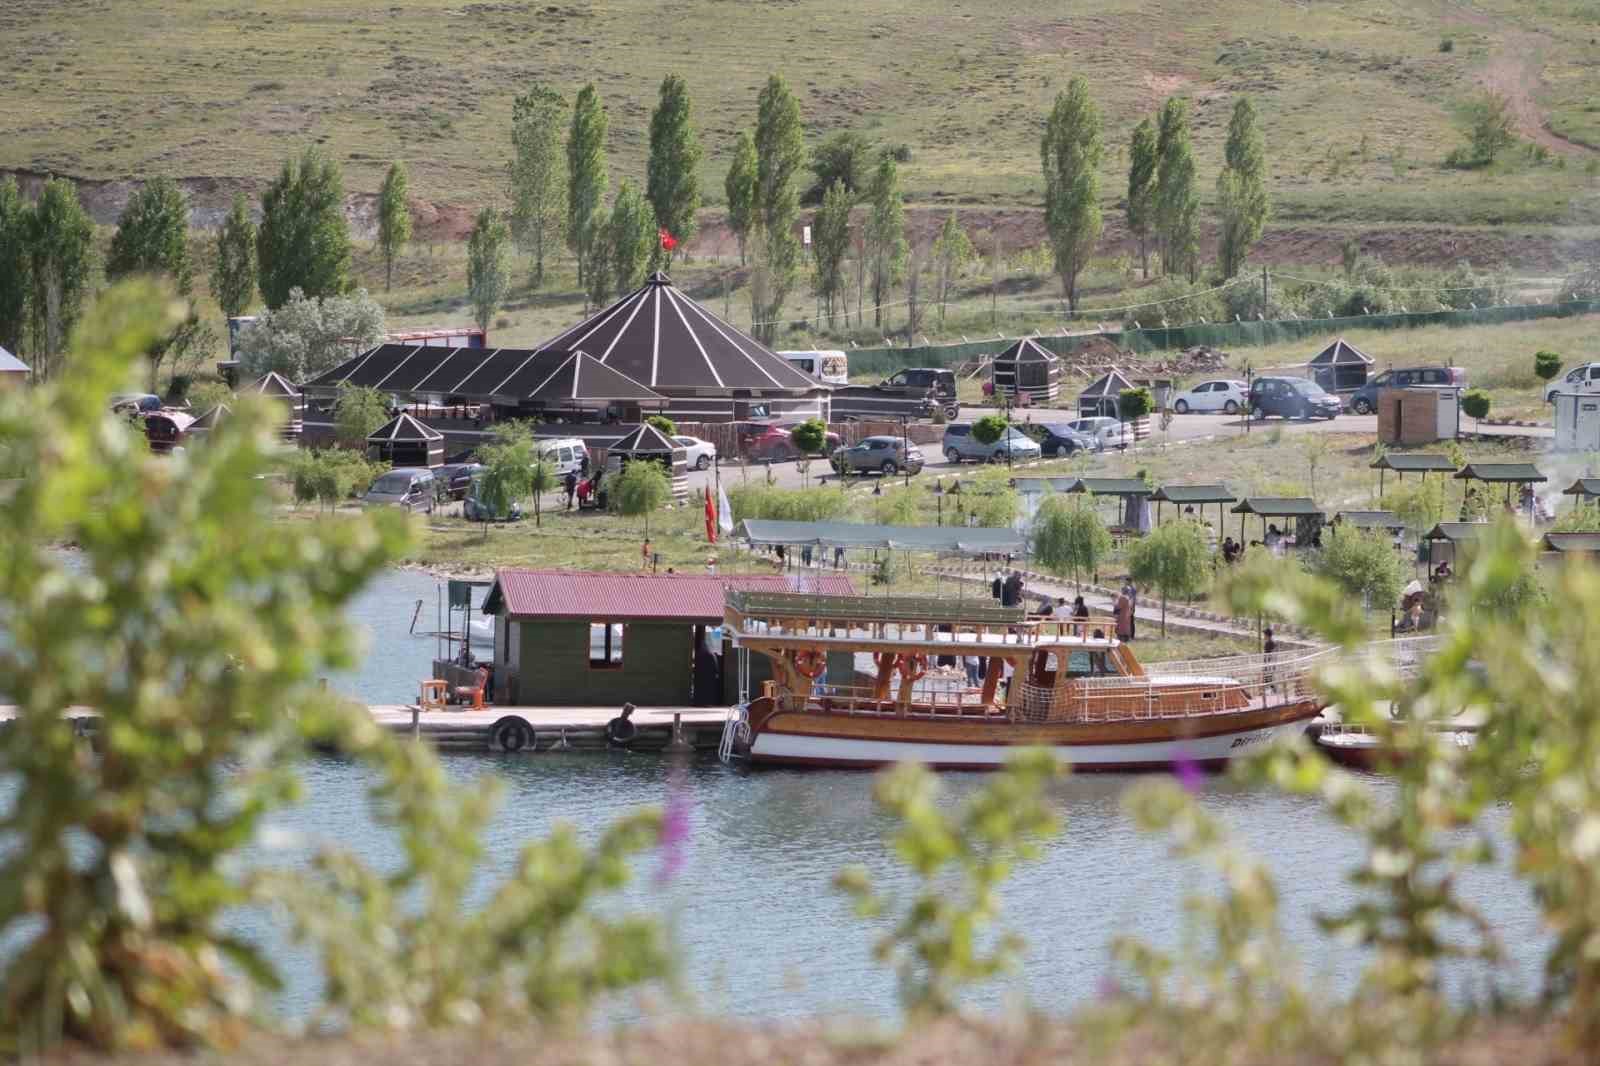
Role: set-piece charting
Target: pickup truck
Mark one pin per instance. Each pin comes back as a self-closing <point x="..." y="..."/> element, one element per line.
<point x="914" y="393"/>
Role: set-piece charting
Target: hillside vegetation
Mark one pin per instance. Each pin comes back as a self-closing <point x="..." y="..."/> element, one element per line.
<point x="1359" y="100"/>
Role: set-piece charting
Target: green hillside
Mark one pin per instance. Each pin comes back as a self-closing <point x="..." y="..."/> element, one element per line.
<point x="1358" y="99"/>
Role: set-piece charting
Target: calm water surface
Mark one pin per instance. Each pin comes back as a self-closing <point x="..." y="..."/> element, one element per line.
<point x="763" y="934"/>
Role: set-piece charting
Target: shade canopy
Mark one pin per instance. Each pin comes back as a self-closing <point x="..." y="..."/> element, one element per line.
<point x="646" y="440"/>
<point x="551" y="378"/>
<point x="1414" y="463"/>
<point x="1187" y="494"/>
<point x="1456" y="532"/>
<point x="1108" y="385"/>
<point x="1033" y="485"/>
<point x="1341" y="353"/>
<point x="956" y="540"/>
<point x="404" y="429"/>
<point x="661" y="338"/>
<point x="1277" y="506"/>
<point x="1370" y="520"/>
<point x="1111" y="486"/>
<point x="1572" y="542"/>
<point x="1501" y="473"/>
<point x="1585" y="487"/>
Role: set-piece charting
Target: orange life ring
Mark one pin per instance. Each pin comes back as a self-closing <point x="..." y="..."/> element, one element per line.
<point x="912" y="667"/>
<point x="810" y="662"/>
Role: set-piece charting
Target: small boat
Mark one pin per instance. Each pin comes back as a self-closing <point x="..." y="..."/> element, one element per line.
<point x="1070" y="688"/>
<point x="1358" y="748"/>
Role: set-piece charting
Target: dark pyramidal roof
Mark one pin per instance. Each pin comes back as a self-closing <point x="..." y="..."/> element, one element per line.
<point x="1027" y="350"/>
<point x="403" y="427"/>
<point x="549" y="375"/>
<point x="1341" y="353"/>
<point x="646" y="440"/>
<point x="661" y="338"/>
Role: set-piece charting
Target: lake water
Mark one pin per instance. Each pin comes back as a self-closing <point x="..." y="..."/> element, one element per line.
<point x="761" y="931"/>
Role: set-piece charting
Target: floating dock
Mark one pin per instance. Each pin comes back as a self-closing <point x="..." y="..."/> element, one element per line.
<point x="527" y="730"/>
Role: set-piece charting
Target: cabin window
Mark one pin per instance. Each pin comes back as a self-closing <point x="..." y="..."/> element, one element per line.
<point x="1045" y="666"/>
<point x="1087" y="664"/>
<point x="605" y="646"/>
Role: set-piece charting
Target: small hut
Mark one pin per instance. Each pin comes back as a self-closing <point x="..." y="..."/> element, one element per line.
<point x="403" y="441"/>
<point x="1102" y="397"/>
<point x="1308" y="517"/>
<point x="649" y="443"/>
<point x="1340" y="367"/>
<point x="1585" y="490"/>
<point x="1026" y="369"/>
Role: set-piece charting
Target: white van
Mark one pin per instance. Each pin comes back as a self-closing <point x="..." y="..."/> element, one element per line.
<point x="568" y="455"/>
<point x="832" y="368"/>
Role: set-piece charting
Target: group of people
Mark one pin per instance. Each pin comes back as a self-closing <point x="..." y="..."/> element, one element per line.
<point x="581" y="488"/>
<point x="1007" y="588"/>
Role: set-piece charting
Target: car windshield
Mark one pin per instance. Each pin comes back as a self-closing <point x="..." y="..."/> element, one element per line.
<point x="392" y="484"/>
<point x="1013" y="433"/>
<point x="1060" y="430"/>
<point x="1309" y="388"/>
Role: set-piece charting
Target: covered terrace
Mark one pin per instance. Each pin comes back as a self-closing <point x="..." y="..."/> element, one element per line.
<point x="1423" y="463"/>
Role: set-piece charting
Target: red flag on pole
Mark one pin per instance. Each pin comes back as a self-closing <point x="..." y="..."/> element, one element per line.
<point x="668" y="241"/>
<point x="711" y="518"/>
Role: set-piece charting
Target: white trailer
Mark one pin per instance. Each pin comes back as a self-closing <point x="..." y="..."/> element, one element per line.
<point x="1577" y="421"/>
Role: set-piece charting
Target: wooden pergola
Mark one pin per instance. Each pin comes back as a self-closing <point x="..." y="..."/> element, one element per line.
<point x="1300" y="508"/>
<point x="1423" y="463"/>
<point x="1507" y="474"/>
<point x="1194" y="496"/>
<point x="1130" y="491"/>
<point x="1454" y="534"/>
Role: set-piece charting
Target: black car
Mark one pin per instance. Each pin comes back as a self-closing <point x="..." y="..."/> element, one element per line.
<point x="1291" y="398"/>
<point x="455" y="479"/>
<point x="1058" y="438"/>
<point x="1365" y="400"/>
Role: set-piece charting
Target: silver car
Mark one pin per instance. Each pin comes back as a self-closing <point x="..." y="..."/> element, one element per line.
<point x="410" y="487"/>
<point x="885" y="455"/>
<point x="960" y="445"/>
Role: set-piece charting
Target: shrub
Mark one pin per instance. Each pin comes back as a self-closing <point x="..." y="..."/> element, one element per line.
<point x="1475" y="404"/>
<point x="797" y="505"/>
<point x="989" y="429"/>
<point x="1447" y="44"/>
<point x="809" y="437"/>
<point x="664" y="424"/>
<point x="1546" y="365"/>
<point x="1134" y="404"/>
<point x="1362" y="563"/>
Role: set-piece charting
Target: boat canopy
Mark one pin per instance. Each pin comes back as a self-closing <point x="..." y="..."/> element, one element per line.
<point x="954" y="540"/>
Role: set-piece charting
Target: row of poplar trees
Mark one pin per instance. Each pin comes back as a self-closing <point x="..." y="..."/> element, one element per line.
<point x="1163" y="204"/>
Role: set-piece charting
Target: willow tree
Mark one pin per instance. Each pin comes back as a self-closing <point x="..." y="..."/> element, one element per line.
<point x="1068" y="537"/>
<point x="1174" y="559"/>
<point x="640" y="489"/>
<point x="1070" y="153"/>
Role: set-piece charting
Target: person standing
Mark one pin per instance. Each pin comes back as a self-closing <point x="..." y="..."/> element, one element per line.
<point x="1122" y="611"/>
<point x="974" y="666"/>
<point x="571" y="484"/>
<point x="1131" y="591"/>
<point x="1079" y="608"/>
<point x="1269" y="649"/>
<point x="645" y="552"/>
<point x="997" y="588"/>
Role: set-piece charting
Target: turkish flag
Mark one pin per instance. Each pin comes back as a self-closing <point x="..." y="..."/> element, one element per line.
<point x="668" y="241"/>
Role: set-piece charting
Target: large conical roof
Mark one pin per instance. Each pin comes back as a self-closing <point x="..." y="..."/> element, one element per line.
<point x="659" y="336"/>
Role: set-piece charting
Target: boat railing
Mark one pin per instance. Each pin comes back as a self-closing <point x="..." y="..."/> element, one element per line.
<point x="943" y="699"/>
<point x="1015" y="629"/>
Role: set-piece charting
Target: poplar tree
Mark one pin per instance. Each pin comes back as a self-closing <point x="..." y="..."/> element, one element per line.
<point x="952" y="251"/>
<point x="14" y="267"/>
<point x="630" y="238"/>
<point x="740" y="187"/>
<point x="233" y="279"/>
<point x="538" y="176"/>
<point x="1070" y="153"/>
<point x="486" y="266"/>
<point x="1241" y="189"/>
<point x="1142" y="188"/>
<point x="153" y="238"/>
<point x="780" y="155"/>
<point x="587" y="177"/>
<point x="886" y="234"/>
<point x="830" y="243"/>
<point x="59" y="237"/>
<point x="672" y="176"/>
<point x="394" y="219"/>
<point x="1177" y="204"/>
<point x="303" y="241"/>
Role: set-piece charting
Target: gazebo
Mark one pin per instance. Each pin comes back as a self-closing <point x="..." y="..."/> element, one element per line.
<point x="647" y="443"/>
<point x="403" y="441"/>
<point x="1193" y="496"/>
<point x="1404" y="463"/>
<point x="1507" y="474"/>
<point x="1307" y="515"/>
<point x="275" y="386"/>
<point x="1101" y="397"/>
<point x="1340" y="367"/>
<point x="1134" y="496"/>
<point x="1454" y="534"/>
<point x="1029" y="369"/>
<point x="1584" y="490"/>
<point x="1572" y="543"/>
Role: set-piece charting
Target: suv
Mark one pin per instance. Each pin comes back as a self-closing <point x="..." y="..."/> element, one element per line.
<point x="960" y="444"/>
<point x="1585" y="378"/>
<point x="1058" y="438"/>
<point x="1291" y="398"/>
<point x="410" y="487"/>
<point x="915" y="392"/>
<point x="887" y="455"/>
<point x="771" y="443"/>
<point x="1365" y="399"/>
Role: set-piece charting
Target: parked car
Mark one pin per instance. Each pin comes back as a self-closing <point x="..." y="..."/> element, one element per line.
<point x="452" y="480"/>
<point x="410" y="487"/>
<point x="1292" y="398"/>
<point x="1364" y="400"/>
<point x="1220" y="395"/>
<point x="1058" y="438"/>
<point x="886" y="455"/>
<point x="474" y="510"/>
<point x="566" y="455"/>
<point x="771" y="444"/>
<point x="1585" y="378"/>
<point x="699" y="453"/>
<point x="1102" y="428"/>
<point x="960" y="445"/>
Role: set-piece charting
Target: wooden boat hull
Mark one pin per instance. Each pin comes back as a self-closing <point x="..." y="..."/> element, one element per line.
<point x="810" y="739"/>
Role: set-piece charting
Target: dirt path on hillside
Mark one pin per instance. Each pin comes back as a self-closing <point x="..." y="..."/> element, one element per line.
<point x="1514" y="70"/>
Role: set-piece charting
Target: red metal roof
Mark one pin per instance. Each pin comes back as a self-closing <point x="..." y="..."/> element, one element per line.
<point x="675" y="597"/>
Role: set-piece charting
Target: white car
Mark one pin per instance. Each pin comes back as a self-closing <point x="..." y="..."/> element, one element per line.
<point x="1108" y="431"/>
<point x="1220" y="395"/>
<point x="699" y="453"/>
<point x="1585" y="378"/>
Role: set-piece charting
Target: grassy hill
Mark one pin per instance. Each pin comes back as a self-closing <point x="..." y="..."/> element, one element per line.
<point x="1358" y="99"/>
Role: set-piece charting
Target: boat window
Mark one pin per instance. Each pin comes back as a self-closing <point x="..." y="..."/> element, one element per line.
<point x="1088" y="664"/>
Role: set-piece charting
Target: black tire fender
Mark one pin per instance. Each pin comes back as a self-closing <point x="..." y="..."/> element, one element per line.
<point x="511" y="734"/>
